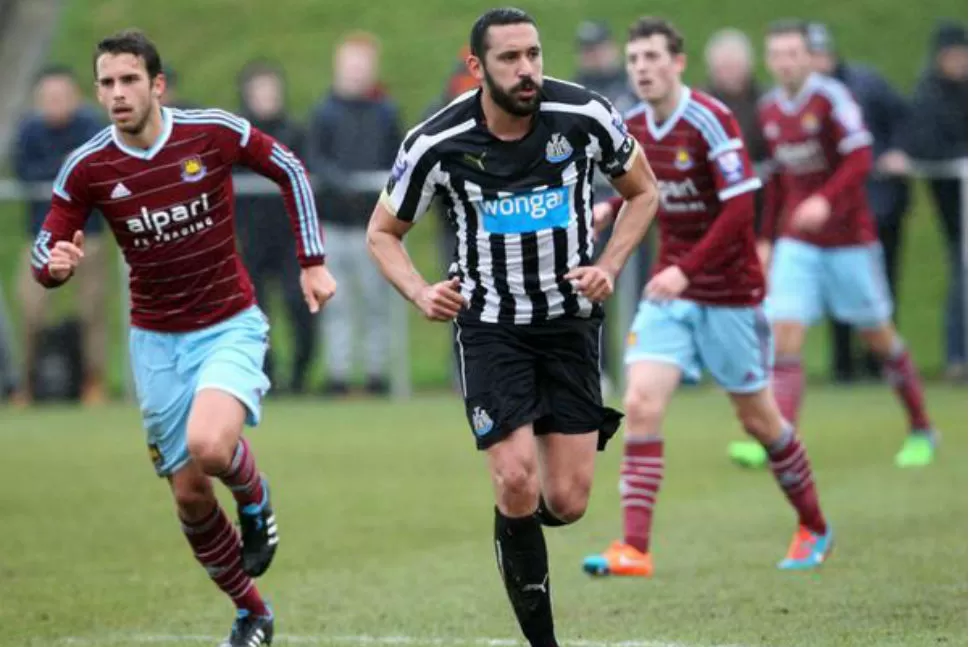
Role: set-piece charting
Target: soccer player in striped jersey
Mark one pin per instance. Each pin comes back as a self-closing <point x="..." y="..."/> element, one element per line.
<point x="702" y="307"/>
<point x="826" y="255"/>
<point x="513" y="162"/>
<point x="161" y="178"/>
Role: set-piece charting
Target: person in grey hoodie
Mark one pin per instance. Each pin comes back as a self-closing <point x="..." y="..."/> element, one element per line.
<point x="266" y="242"/>
<point x="937" y="132"/>
<point x="354" y="128"/>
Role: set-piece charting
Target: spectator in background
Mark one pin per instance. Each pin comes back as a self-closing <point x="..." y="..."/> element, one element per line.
<point x="266" y="242"/>
<point x="171" y="96"/>
<point x="937" y="131"/>
<point x="8" y="363"/>
<point x="599" y="67"/>
<point x="730" y="73"/>
<point x="459" y="81"/>
<point x="885" y="113"/>
<point x="355" y="128"/>
<point x="59" y="124"/>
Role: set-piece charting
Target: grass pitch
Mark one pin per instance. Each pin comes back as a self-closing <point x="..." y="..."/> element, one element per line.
<point x="385" y="519"/>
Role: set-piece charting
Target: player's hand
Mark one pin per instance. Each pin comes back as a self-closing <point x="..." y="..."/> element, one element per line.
<point x="318" y="286"/>
<point x="441" y="301"/>
<point x="592" y="281"/>
<point x="812" y="213"/>
<point x="893" y="163"/>
<point x="602" y="217"/>
<point x="65" y="257"/>
<point x="668" y="284"/>
<point x="764" y="248"/>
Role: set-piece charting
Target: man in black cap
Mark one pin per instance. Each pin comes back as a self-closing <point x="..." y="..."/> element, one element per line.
<point x="938" y="132"/>
<point x="600" y="67"/>
<point x="885" y="113"/>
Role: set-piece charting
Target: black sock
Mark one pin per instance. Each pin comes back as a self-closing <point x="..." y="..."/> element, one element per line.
<point x="546" y="517"/>
<point x="520" y="550"/>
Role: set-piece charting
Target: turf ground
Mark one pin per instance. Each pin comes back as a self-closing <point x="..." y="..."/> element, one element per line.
<point x="385" y="516"/>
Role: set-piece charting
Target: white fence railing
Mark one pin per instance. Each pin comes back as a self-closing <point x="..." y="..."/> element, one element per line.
<point x="372" y="182"/>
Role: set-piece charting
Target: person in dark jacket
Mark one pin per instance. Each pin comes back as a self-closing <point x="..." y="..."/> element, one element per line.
<point x="937" y="132"/>
<point x="266" y="242"/>
<point x="886" y="114"/>
<point x="730" y="71"/>
<point x="59" y="123"/>
<point x="355" y="129"/>
<point x="600" y="66"/>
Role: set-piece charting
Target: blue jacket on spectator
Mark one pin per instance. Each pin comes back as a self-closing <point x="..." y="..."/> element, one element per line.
<point x="39" y="151"/>
<point x="346" y="135"/>
<point x="886" y="114"/>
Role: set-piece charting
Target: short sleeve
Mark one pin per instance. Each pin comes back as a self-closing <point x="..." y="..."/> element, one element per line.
<point x="412" y="182"/>
<point x="846" y="119"/>
<point x="729" y="162"/>
<point x="616" y="146"/>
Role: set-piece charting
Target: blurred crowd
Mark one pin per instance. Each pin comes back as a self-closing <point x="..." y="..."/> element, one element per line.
<point x="356" y="127"/>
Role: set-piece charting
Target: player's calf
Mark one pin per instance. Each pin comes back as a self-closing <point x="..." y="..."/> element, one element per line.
<point x="901" y="373"/>
<point x="215" y="442"/>
<point x="520" y="547"/>
<point x="214" y="540"/>
<point x="761" y="418"/>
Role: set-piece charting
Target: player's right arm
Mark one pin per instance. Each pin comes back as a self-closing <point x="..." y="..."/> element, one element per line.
<point x="406" y="197"/>
<point x="58" y="248"/>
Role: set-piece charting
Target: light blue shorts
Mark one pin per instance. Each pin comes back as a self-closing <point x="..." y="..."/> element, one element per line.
<point x="806" y="281"/>
<point x="170" y="368"/>
<point x="734" y="344"/>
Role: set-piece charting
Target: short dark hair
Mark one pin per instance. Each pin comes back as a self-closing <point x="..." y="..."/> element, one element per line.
<point x="260" y="67"/>
<point x="789" y="26"/>
<point x="56" y="71"/>
<point x="478" y="40"/>
<point x="648" y="26"/>
<point x="131" y="41"/>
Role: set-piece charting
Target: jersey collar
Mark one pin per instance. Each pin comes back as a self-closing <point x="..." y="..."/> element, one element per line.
<point x="146" y="153"/>
<point x="661" y="131"/>
<point x="792" y="105"/>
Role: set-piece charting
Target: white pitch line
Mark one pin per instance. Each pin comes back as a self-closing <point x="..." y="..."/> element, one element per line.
<point x="365" y="640"/>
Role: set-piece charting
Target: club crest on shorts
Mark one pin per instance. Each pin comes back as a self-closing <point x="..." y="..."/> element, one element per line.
<point x="682" y="160"/>
<point x="193" y="169"/>
<point x="558" y="149"/>
<point x="155" y="454"/>
<point x="481" y="421"/>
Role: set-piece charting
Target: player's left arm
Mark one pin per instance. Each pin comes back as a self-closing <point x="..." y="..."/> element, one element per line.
<point x="736" y="181"/>
<point x="271" y="159"/>
<point x="854" y="145"/>
<point x="622" y="160"/>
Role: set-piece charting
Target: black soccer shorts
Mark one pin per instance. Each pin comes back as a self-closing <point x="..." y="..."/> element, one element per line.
<point x="546" y="373"/>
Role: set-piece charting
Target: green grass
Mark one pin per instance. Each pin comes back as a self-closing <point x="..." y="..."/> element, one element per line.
<point x="385" y="516"/>
<point x="208" y="41"/>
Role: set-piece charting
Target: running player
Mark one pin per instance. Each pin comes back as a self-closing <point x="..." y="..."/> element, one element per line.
<point x="827" y="256"/>
<point x="702" y="307"/>
<point x="513" y="161"/>
<point x="161" y="178"/>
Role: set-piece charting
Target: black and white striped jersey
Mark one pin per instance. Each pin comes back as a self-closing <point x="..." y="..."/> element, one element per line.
<point x="522" y="209"/>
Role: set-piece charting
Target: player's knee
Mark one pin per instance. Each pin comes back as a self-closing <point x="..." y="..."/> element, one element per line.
<point x="194" y="499"/>
<point x="758" y="415"/>
<point x="644" y="412"/>
<point x="569" y="503"/>
<point x="517" y="485"/>
<point x="210" y="452"/>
